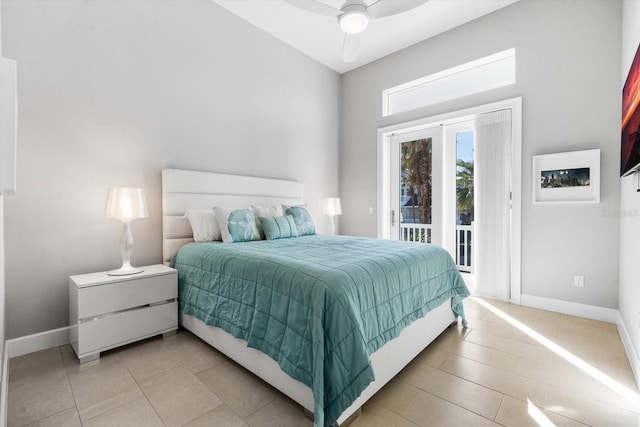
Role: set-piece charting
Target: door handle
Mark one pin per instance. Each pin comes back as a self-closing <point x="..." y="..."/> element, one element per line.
<point x="393" y="218"/>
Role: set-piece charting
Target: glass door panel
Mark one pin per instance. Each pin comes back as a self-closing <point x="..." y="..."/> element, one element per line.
<point x="464" y="200"/>
<point x="416" y="186"/>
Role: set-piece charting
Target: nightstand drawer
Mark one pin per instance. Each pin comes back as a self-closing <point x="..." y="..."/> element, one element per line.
<point x="108" y="311"/>
<point x="123" y="294"/>
<point x="125" y="327"/>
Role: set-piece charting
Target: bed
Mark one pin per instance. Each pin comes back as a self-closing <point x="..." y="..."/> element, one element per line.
<point x="329" y="376"/>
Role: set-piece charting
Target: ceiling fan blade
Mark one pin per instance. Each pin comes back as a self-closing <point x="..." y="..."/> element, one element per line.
<point x="315" y="7"/>
<point x="351" y="47"/>
<point x="383" y="8"/>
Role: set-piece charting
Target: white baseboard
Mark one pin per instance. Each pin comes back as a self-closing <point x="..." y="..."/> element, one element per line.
<point x="632" y="354"/>
<point x="5" y="387"/>
<point x="36" y="342"/>
<point x="573" y="308"/>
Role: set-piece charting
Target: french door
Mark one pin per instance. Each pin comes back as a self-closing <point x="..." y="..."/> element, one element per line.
<point x="432" y="191"/>
<point x="416" y="188"/>
<point x="483" y="235"/>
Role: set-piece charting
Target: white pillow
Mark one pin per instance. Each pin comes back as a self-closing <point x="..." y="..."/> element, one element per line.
<point x="236" y="224"/>
<point x="204" y="225"/>
<point x="265" y="211"/>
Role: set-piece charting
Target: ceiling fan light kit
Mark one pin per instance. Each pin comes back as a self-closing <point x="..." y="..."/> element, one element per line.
<point x="354" y="16"/>
<point x="354" y="19"/>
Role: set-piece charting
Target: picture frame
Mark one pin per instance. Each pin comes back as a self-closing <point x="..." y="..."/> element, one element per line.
<point x="571" y="177"/>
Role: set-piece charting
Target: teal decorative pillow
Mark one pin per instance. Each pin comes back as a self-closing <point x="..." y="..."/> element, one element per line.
<point x="302" y="218"/>
<point x="278" y="227"/>
<point x="236" y="225"/>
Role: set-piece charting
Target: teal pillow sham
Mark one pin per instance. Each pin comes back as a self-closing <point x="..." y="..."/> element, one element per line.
<point x="302" y="218"/>
<point x="278" y="227"/>
<point x="236" y="224"/>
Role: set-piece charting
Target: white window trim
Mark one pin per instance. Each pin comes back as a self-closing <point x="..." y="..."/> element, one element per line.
<point x="444" y="77"/>
<point x="384" y="139"/>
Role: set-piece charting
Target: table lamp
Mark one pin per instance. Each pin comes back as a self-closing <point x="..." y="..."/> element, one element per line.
<point x="332" y="207"/>
<point x="126" y="204"/>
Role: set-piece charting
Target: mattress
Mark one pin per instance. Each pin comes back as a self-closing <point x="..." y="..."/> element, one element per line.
<point x="317" y="305"/>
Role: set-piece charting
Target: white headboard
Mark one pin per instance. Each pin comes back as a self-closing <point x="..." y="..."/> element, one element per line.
<point x="183" y="190"/>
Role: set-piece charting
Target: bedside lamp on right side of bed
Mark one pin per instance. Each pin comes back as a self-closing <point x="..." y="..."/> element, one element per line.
<point x="332" y="207"/>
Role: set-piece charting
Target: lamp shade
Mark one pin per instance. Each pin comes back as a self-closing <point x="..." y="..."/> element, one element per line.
<point x="126" y="204"/>
<point x="354" y="20"/>
<point x="332" y="206"/>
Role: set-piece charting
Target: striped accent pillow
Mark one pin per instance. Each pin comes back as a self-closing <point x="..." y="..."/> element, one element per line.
<point x="278" y="227"/>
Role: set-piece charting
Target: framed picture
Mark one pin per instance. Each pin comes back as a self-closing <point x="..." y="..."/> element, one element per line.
<point x="572" y="177"/>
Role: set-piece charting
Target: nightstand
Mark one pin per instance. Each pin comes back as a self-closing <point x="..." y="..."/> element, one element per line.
<point x="110" y="311"/>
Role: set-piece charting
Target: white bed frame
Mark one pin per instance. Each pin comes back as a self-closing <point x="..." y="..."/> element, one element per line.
<point x="183" y="190"/>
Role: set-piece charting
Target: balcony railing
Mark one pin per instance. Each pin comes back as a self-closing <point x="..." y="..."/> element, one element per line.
<point x="415" y="232"/>
<point x="464" y="244"/>
<point x="422" y="233"/>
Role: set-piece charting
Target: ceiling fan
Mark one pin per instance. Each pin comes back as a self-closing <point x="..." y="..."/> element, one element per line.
<point x="354" y="16"/>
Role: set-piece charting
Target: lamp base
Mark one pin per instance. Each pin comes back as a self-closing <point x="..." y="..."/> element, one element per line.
<point x="332" y="226"/>
<point x="126" y="240"/>
<point x="125" y="271"/>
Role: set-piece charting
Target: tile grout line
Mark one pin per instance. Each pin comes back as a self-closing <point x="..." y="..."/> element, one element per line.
<point x="142" y="390"/>
<point x="462" y="407"/>
<point x="66" y="376"/>
<point x="504" y="397"/>
<point x="231" y="407"/>
<point x="463" y="379"/>
<point x="487" y="387"/>
<point x="73" y="395"/>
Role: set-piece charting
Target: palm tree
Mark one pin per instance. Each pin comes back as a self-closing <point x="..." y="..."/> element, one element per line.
<point x="416" y="158"/>
<point x="464" y="189"/>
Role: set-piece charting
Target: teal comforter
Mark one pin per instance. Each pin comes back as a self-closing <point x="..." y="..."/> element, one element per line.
<point x="318" y="305"/>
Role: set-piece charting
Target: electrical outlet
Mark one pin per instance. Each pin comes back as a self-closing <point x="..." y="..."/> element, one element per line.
<point x="370" y="210"/>
<point x="578" y="281"/>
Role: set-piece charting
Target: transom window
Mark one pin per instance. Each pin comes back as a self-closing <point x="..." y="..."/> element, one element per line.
<point x="483" y="74"/>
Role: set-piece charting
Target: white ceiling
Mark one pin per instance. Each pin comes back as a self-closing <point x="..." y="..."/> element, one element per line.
<point x="320" y="37"/>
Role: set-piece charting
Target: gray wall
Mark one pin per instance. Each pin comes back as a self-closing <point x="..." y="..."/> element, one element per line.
<point x="112" y="92"/>
<point x="629" y="304"/>
<point x="2" y="261"/>
<point x="568" y="68"/>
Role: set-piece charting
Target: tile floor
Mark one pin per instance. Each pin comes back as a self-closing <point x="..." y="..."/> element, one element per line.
<point x="489" y="374"/>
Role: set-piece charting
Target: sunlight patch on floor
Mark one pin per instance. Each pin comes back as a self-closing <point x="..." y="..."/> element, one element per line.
<point x="590" y="370"/>
<point x="538" y="416"/>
